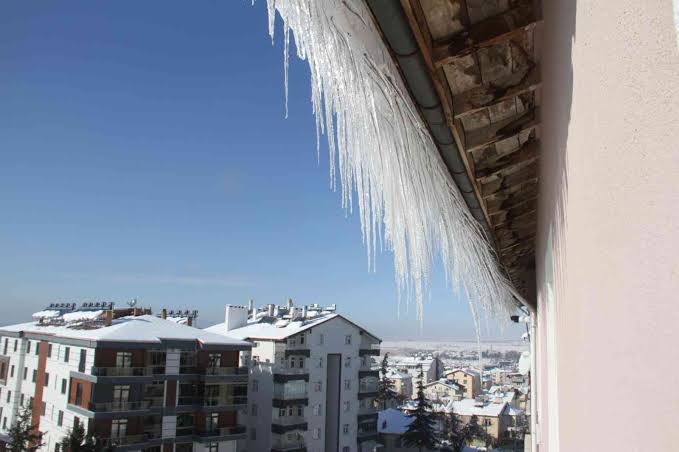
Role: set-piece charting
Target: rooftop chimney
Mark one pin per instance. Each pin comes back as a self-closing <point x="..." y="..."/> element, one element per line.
<point x="304" y="311"/>
<point x="289" y="303"/>
<point x="163" y="313"/>
<point x="235" y="317"/>
<point x="108" y="318"/>
<point x="251" y="306"/>
<point x="270" y="309"/>
<point x="293" y="312"/>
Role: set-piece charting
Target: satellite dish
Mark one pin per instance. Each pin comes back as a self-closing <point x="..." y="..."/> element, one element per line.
<point x="132" y="303"/>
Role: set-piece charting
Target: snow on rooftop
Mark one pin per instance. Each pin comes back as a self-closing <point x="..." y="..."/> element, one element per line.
<point x="144" y="328"/>
<point x="47" y="314"/>
<point x="393" y="421"/>
<point x="471" y="407"/>
<point x="77" y="316"/>
<point x="259" y="329"/>
<point x="397" y="375"/>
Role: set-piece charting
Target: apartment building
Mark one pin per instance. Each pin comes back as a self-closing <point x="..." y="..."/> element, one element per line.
<point x="403" y="383"/>
<point x="432" y="367"/>
<point x="313" y="378"/>
<point x="136" y="381"/>
<point x="469" y="379"/>
<point x="443" y="388"/>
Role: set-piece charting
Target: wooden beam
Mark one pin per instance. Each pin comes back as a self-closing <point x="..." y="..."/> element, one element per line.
<point x="527" y="153"/>
<point x="501" y="130"/>
<point x="495" y="92"/>
<point x="517" y="178"/>
<point x="486" y="33"/>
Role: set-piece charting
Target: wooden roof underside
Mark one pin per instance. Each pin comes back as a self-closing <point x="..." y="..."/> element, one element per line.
<point x="483" y="60"/>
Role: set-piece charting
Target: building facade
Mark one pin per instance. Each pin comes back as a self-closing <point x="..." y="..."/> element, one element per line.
<point x="469" y="379"/>
<point x="135" y="381"/>
<point x="313" y="378"/>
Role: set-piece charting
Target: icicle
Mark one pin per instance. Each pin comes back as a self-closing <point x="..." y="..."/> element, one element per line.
<point x="379" y="147"/>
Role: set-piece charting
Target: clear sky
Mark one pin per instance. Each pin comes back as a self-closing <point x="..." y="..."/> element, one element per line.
<point x="144" y="153"/>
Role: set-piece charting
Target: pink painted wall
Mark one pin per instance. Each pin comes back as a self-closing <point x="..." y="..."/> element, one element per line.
<point x="610" y="203"/>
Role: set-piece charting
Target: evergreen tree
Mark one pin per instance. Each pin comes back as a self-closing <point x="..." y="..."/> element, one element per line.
<point x="474" y="431"/>
<point x="78" y="441"/>
<point x="23" y="435"/>
<point x="454" y="433"/>
<point x="421" y="432"/>
<point x="385" y="388"/>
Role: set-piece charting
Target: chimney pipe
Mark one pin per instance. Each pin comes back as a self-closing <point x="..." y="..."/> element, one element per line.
<point x="163" y="313"/>
<point x="304" y="311"/>
<point x="108" y="318"/>
<point x="189" y="320"/>
<point x="289" y="303"/>
<point x="251" y="306"/>
<point x="270" y="309"/>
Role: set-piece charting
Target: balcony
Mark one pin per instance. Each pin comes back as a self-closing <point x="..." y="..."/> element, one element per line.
<point x="369" y="349"/>
<point x="120" y="406"/>
<point x="368" y="385"/>
<point x="284" y="374"/>
<point x="286" y="395"/>
<point x="283" y="444"/>
<point x="133" y="440"/>
<point x="127" y="371"/>
<point x="213" y="402"/>
<point x="367" y="431"/>
<point x="231" y="432"/>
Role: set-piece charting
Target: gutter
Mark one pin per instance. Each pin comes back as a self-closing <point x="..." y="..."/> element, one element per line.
<point x="396" y="31"/>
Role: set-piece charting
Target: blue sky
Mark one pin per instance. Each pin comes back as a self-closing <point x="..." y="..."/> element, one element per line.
<point x="144" y="153"/>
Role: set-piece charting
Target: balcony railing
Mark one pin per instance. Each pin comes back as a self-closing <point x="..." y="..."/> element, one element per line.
<point x="127" y="371"/>
<point x="288" y="420"/>
<point x="367" y="409"/>
<point x="282" y="444"/>
<point x="222" y="431"/>
<point x="132" y="439"/>
<point x="288" y="394"/>
<point x="212" y="401"/>
<point x="368" y="386"/>
<point x="213" y="370"/>
<point x="120" y="406"/>
<point x="291" y="371"/>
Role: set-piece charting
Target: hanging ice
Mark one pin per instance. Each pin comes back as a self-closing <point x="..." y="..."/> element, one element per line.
<point x="406" y="198"/>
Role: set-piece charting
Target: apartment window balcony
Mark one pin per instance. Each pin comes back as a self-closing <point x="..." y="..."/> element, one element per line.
<point x="368" y="349"/>
<point x="222" y="432"/>
<point x="212" y="401"/>
<point x="288" y="392"/>
<point x="367" y="385"/>
<point x="367" y="409"/>
<point x="127" y="371"/>
<point x="119" y="406"/>
<point x="214" y="371"/>
<point x="131" y="440"/>
<point x="288" y="442"/>
<point x="367" y="431"/>
<point x="288" y="420"/>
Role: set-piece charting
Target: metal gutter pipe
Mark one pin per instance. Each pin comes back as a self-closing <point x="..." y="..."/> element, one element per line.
<point x="396" y="31"/>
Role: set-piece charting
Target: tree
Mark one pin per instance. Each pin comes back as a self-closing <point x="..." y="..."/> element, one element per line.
<point x="458" y="435"/>
<point x="385" y="387"/>
<point x="421" y="432"/>
<point x="24" y="435"/>
<point x="474" y="431"/>
<point x="78" y="441"/>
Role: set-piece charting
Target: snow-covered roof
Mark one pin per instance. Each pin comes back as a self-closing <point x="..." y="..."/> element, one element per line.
<point x="46" y="314"/>
<point x="394" y="374"/>
<point x="144" y="328"/>
<point x="393" y="421"/>
<point x="466" y="370"/>
<point x="470" y="407"/>
<point x="444" y="381"/>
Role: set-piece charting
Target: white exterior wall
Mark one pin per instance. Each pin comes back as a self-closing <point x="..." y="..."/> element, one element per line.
<point x="608" y="229"/>
<point x="52" y="395"/>
<point x="333" y="333"/>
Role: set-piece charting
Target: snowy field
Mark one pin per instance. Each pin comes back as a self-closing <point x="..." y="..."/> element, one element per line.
<point x="499" y="346"/>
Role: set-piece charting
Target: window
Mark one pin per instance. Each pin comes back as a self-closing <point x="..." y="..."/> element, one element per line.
<point x="346" y="449"/>
<point x="300" y="410"/>
<point x="60" y="418"/>
<point x="9" y="396"/>
<point x="212" y="447"/>
<point x="317" y="433"/>
<point x="124" y="359"/>
<point x="215" y="360"/>
<point x="347" y="339"/>
<point x="253" y="410"/>
<point x="35" y="375"/>
<point x="347" y="361"/>
<point x="118" y="428"/>
<point x="345" y="429"/>
<point x="4" y="349"/>
<point x="78" y="393"/>
<point x="81" y="362"/>
<point x="255" y="385"/>
<point x="21" y="400"/>
<point x="301" y="339"/>
<point x="320" y="363"/>
<point x="49" y="350"/>
<point x="347" y="406"/>
<point x="37" y="348"/>
<point x="253" y="433"/>
<point x="318" y="386"/>
<point x="47" y="380"/>
<point x="347" y="384"/>
<point x="320" y="339"/>
<point x="43" y="408"/>
<point x="28" y="347"/>
<point x="63" y="386"/>
<point x="16" y="344"/>
<point x="11" y="371"/>
<point x="67" y="354"/>
<point x="317" y="410"/>
<point x="75" y="421"/>
<point x="4" y="423"/>
<point x="25" y="373"/>
<point x="212" y="421"/>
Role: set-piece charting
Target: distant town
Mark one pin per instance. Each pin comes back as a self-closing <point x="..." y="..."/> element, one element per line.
<point x="268" y="378"/>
